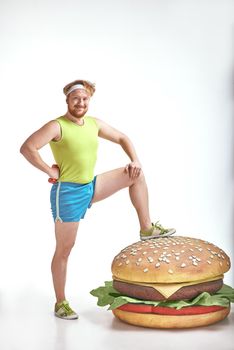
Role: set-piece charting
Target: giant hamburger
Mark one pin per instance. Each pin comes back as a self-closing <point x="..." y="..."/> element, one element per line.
<point x="168" y="283"/>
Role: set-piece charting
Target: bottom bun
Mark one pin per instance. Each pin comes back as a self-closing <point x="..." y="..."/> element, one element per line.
<point x="165" y="321"/>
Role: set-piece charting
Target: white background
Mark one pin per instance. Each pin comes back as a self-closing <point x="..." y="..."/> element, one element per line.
<point x="164" y="74"/>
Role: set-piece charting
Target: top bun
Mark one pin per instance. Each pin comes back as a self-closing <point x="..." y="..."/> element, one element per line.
<point x="170" y="260"/>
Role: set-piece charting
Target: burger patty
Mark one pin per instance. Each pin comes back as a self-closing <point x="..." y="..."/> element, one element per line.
<point x="150" y="293"/>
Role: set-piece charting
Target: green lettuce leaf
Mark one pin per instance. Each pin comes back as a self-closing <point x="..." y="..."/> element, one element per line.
<point x="227" y="291"/>
<point x="107" y="295"/>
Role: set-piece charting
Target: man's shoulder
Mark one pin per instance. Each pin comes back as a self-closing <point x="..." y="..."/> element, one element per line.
<point x="90" y="117"/>
<point x="59" y="121"/>
<point x="61" y="118"/>
<point x="92" y="120"/>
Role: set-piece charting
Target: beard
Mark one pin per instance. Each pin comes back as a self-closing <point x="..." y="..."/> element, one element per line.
<point x="77" y="112"/>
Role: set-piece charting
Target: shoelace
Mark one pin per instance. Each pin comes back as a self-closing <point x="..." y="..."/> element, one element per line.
<point x="67" y="308"/>
<point x="160" y="227"/>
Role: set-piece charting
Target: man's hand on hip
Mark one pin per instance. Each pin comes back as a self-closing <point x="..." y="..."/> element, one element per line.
<point x="54" y="173"/>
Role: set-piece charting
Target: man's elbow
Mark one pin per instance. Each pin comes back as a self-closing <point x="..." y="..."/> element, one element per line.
<point x="123" y="139"/>
<point x="24" y="149"/>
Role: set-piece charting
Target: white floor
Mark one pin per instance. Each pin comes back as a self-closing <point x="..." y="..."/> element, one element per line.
<point x="27" y="322"/>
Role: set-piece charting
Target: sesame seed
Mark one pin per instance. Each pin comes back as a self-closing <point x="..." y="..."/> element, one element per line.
<point x="212" y="256"/>
<point x="177" y="253"/>
<point x="221" y="264"/>
<point x="140" y="259"/>
<point x="150" y="259"/>
<point x="208" y="261"/>
<point x="177" y="258"/>
<point x="195" y="263"/>
<point x="183" y="265"/>
<point x="146" y="270"/>
<point x="170" y="271"/>
<point x="127" y="262"/>
<point x="120" y="264"/>
<point x="157" y="265"/>
<point x="144" y="253"/>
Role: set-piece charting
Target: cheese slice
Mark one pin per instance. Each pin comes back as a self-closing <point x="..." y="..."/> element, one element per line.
<point x="168" y="289"/>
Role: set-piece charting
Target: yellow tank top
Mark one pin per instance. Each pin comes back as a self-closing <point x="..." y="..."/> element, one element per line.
<point x="76" y="151"/>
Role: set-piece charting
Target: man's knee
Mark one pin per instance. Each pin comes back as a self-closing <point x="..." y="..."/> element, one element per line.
<point x="64" y="250"/>
<point x="139" y="178"/>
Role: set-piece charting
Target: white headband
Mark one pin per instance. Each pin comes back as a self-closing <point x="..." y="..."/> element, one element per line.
<point x="75" y="87"/>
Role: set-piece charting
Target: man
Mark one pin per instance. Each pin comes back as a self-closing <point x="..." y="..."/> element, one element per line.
<point x="73" y="139"/>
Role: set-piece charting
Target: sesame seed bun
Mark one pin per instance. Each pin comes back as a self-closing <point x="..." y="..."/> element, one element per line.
<point x="165" y="321"/>
<point x="170" y="260"/>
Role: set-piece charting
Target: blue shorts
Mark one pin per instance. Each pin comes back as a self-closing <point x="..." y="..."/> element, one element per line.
<point x="70" y="201"/>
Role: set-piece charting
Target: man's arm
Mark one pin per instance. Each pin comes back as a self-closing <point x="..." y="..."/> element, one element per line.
<point x="109" y="133"/>
<point x="30" y="148"/>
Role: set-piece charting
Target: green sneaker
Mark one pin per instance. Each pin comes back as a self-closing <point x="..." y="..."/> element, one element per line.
<point x="156" y="231"/>
<point x="63" y="310"/>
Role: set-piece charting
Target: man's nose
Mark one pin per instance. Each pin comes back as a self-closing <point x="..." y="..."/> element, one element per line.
<point x="81" y="103"/>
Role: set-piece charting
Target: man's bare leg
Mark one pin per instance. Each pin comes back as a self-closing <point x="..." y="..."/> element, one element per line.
<point x="112" y="181"/>
<point x="65" y="234"/>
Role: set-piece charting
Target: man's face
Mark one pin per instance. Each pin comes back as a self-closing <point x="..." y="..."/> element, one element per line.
<point x="78" y="103"/>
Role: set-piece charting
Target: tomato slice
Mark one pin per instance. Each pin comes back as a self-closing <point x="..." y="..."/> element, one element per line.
<point x="141" y="308"/>
<point x="162" y="310"/>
